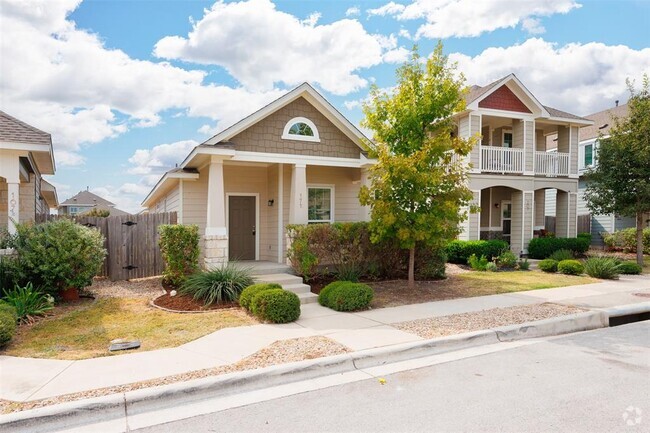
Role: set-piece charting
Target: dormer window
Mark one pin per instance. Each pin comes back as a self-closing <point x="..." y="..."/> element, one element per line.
<point x="300" y="128"/>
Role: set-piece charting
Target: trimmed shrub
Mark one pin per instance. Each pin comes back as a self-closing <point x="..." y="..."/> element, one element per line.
<point x="491" y="267"/>
<point x="7" y="325"/>
<point x="218" y="285"/>
<point x="5" y="308"/>
<point x="346" y="296"/>
<point x="478" y="264"/>
<point x="179" y="245"/>
<point x="10" y="272"/>
<point x="560" y="255"/>
<point x="570" y="267"/>
<point x="60" y="254"/>
<point x="506" y="260"/>
<point x="276" y="306"/>
<point x="249" y="293"/>
<point x="459" y="251"/>
<point x="28" y="302"/>
<point x="625" y="240"/>
<point x="548" y="265"/>
<point x="542" y="248"/>
<point x="629" y="268"/>
<point x="604" y="268"/>
<point x="523" y="265"/>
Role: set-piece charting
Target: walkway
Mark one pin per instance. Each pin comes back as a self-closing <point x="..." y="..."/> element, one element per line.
<point x="25" y="379"/>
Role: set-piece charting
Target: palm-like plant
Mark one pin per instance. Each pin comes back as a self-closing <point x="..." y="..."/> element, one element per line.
<point x="218" y="285"/>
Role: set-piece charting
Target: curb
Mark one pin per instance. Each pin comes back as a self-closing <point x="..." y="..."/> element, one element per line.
<point x="627" y="310"/>
<point x="113" y="408"/>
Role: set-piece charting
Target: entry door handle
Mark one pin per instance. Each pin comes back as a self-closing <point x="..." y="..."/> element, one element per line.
<point x="253" y="230"/>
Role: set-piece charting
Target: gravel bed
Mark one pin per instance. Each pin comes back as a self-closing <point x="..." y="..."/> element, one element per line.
<point x="280" y="352"/>
<point x="138" y="288"/>
<point x="454" y="269"/>
<point x="468" y="322"/>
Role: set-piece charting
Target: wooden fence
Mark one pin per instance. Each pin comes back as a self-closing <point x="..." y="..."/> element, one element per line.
<point x="131" y="242"/>
<point x="549" y="224"/>
<point x="584" y="223"/>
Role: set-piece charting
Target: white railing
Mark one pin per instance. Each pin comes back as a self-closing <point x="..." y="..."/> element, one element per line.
<point x="502" y="159"/>
<point x="552" y="164"/>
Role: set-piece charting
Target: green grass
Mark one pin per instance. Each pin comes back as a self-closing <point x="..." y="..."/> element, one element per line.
<point x="85" y="331"/>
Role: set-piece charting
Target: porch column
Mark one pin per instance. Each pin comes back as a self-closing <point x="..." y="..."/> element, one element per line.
<point x="573" y="151"/>
<point x="364" y="211"/>
<point x="540" y="209"/>
<point x="216" y="235"/>
<point x="474" y="226"/>
<point x="562" y="214"/>
<point x="572" y="229"/>
<point x="280" y="204"/>
<point x="522" y="221"/>
<point x="298" y="201"/>
<point x="529" y="219"/>
<point x="529" y="147"/>
<point x="10" y="170"/>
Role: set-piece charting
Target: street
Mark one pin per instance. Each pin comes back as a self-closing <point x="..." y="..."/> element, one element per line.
<point x="588" y="382"/>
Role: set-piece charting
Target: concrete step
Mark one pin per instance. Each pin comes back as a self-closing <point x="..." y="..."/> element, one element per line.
<point x="308" y="298"/>
<point x="297" y="288"/>
<point x="291" y="283"/>
<point x="281" y="279"/>
<point x="267" y="268"/>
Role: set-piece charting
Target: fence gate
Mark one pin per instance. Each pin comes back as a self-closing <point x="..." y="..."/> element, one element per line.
<point x="584" y="223"/>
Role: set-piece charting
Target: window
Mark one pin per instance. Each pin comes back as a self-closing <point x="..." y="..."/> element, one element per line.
<point x="320" y="205"/>
<point x="507" y="139"/>
<point x="589" y="155"/>
<point x="300" y="128"/>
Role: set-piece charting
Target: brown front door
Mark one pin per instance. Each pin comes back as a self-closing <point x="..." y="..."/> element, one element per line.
<point x="241" y="227"/>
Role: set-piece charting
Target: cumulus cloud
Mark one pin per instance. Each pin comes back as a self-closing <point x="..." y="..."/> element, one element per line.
<point x="470" y="18"/>
<point x="353" y="11"/>
<point x="123" y="196"/>
<point x="261" y="46"/>
<point x="160" y="158"/>
<point x="578" y="78"/>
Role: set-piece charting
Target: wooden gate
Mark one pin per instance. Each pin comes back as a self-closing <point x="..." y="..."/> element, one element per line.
<point x="131" y="242"/>
<point x="584" y="223"/>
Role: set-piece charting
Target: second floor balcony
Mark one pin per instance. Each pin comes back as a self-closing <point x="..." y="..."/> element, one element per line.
<point x="507" y="160"/>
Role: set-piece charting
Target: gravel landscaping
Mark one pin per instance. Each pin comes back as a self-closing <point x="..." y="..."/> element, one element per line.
<point x="138" y="288"/>
<point x="468" y="322"/>
<point x="280" y="352"/>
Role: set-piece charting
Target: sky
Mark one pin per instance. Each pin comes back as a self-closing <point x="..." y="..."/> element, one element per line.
<point x="127" y="88"/>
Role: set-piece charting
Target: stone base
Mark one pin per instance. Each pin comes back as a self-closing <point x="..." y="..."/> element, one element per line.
<point x="215" y="252"/>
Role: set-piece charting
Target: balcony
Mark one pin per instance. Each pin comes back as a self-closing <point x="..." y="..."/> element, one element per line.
<point x="551" y="164"/>
<point x="503" y="160"/>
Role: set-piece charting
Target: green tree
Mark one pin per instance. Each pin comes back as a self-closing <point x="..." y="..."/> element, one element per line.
<point x="419" y="183"/>
<point x="94" y="212"/>
<point x="620" y="181"/>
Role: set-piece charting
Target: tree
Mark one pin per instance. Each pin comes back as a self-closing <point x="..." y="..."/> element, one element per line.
<point x="419" y="183"/>
<point x="94" y="212"/>
<point x="620" y="181"/>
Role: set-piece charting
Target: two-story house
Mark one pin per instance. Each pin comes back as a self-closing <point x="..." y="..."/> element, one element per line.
<point x="85" y="201"/>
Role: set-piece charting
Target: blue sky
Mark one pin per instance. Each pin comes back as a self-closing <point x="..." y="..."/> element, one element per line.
<point x="126" y="88"/>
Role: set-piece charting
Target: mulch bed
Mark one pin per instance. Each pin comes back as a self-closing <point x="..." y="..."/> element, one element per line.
<point x="183" y="303"/>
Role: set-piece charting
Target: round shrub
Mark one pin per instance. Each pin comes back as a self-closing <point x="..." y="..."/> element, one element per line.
<point x="346" y="296"/>
<point x="570" y="267"/>
<point x="7" y="326"/>
<point x="629" y="268"/>
<point x="249" y="293"/>
<point x="604" y="268"/>
<point x="6" y="308"/>
<point x="276" y="306"/>
<point x="548" y="265"/>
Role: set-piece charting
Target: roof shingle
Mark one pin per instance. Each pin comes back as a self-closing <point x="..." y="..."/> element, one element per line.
<point x="14" y="130"/>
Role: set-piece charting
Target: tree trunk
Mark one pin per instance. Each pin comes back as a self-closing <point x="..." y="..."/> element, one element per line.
<point x="412" y="268"/>
<point x="639" y="238"/>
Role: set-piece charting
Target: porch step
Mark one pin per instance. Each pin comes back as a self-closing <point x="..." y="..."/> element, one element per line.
<point x="308" y="298"/>
<point x="266" y="268"/>
<point x="280" y="279"/>
<point x="291" y="283"/>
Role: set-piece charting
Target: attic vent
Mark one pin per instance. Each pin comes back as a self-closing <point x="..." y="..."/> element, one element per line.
<point x="603" y="126"/>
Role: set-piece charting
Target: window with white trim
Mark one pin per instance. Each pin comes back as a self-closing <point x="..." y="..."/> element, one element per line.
<point x="300" y="128"/>
<point x="320" y="204"/>
<point x="589" y="155"/>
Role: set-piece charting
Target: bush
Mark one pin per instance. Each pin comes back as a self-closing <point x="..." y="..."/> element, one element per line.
<point x="346" y="296"/>
<point x="28" y="302"/>
<point x="523" y="265"/>
<point x="10" y="274"/>
<point x="604" y="268"/>
<point x="560" y="255"/>
<point x="7" y="326"/>
<point x="491" y="267"/>
<point x="249" y="293"/>
<point x="7" y="240"/>
<point x="60" y="254"/>
<point x="179" y="245"/>
<point x="5" y="308"/>
<point x="217" y="285"/>
<point x="570" y="267"/>
<point x="625" y="240"/>
<point x="629" y="268"/>
<point x="459" y="251"/>
<point x="542" y="248"/>
<point x="276" y="306"/>
<point x="478" y="264"/>
<point x="348" y="272"/>
<point x="548" y="265"/>
<point x="506" y="260"/>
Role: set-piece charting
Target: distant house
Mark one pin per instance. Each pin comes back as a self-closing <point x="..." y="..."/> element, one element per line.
<point x="85" y="201"/>
<point x="25" y="156"/>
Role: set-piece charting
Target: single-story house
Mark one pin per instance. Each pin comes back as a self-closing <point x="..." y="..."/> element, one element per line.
<point x="85" y="201"/>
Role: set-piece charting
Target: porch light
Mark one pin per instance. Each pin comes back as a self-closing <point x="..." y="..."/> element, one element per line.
<point x="270" y="203"/>
<point x="496" y="205"/>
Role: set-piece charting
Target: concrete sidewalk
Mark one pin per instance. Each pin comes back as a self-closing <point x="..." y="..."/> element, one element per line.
<point x="25" y="379"/>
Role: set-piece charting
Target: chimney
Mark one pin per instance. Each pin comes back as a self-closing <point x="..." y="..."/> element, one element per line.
<point x="617" y="102"/>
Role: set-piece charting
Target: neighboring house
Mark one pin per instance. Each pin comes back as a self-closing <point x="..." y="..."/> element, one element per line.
<point x="299" y="161"/>
<point x="25" y="156"/>
<point x="86" y="201"/>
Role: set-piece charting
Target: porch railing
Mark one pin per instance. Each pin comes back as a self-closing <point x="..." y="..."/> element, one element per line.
<point x="552" y="164"/>
<point x="502" y="159"/>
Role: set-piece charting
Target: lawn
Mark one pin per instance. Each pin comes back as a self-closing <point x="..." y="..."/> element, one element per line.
<point x="468" y="284"/>
<point x="85" y="331"/>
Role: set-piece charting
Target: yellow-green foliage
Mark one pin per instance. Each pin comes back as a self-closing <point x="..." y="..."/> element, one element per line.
<point x="179" y="245"/>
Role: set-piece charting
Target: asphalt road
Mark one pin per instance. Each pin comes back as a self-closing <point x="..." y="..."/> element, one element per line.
<point x="597" y="381"/>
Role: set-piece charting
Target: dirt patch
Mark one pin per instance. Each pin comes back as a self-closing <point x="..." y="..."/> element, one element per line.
<point x="280" y="352"/>
<point x="468" y="322"/>
<point x="185" y="303"/>
<point x="137" y="288"/>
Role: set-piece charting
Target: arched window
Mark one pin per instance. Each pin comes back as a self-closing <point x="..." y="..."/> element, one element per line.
<point x="300" y="128"/>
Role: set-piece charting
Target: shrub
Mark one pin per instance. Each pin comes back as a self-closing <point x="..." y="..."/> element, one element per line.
<point x="10" y="273"/>
<point x="249" y="293"/>
<point x="625" y="240"/>
<point x="629" y="268"/>
<point x="506" y="260"/>
<point x="7" y="326"/>
<point x="348" y="272"/>
<point x="478" y="264"/>
<point x="542" y="248"/>
<point x="548" y="265"/>
<point x="346" y="296"/>
<point x="570" y="267"/>
<point x="491" y="267"/>
<point x="459" y="251"/>
<point x="5" y="308"/>
<point x="7" y="240"/>
<point x="179" y="245"/>
<point x="28" y="302"/>
<point x="100" y="213"/>
<point x="217" y="285"/>
<point x="276" y="306"/>
<point x="60" y="254"/>
<point x="523" y="265"/>
<point x="604" y="268"/>
<point x="560" y="255"/>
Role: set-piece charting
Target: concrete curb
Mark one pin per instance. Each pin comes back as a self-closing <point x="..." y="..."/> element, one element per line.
<point x="627" y="310"/>
<point x="115" y="407"/>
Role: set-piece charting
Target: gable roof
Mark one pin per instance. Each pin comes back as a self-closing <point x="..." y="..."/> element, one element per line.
<point x="86" y="198"/>
<point x="112" y="210"/>
<point x="603" y="121"/>
<point x="14" y="130"/>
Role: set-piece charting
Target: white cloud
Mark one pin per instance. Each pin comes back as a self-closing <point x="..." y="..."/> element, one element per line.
<point x="353" y="11"/>
<point x="312" y="19"/>
<point x="160" y="158"/>
<point x="124" y="196"/>
<point x="399" y="55"/>
<point x="405" y="34"/>
<point x="351" y="105"/>
<point x="261" y="46"/>
<point x="578" y="78"/>
<point x="470" y="18"/>
<point x="533" y="26"/>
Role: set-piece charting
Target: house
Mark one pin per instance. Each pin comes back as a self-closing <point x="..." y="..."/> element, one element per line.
<point x="85" y="201"/>
<point x="25" y="156"/>
<point x="299" y="161"/>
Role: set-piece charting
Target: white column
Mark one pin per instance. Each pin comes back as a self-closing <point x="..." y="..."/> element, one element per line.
<point x="280" y="204"/>
<point x="216" y="218"/>
<point x="298" y="204"/>
<point x="364" y="211"/>
<point x="10" y="170"/>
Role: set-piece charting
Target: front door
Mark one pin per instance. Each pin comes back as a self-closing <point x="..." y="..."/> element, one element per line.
<point x="241" y="227"/>
<point x="506" y="220"/>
